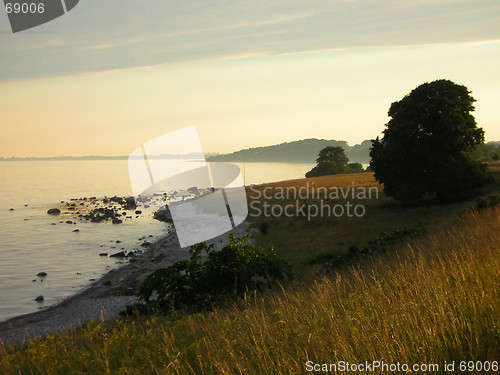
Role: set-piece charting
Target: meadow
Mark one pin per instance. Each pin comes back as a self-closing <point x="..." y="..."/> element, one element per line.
<point x="298" y="240"/>
<point x="430" y="299"/>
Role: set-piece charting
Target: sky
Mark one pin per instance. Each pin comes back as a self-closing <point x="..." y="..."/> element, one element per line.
<point x="110" y="75"/>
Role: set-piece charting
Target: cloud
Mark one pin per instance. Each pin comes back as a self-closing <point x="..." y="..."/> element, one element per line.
<point x="121" y="34"/>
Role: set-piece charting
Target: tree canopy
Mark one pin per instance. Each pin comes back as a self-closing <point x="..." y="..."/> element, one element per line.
<point x="333" y="160"/>
<point x="427" y="144"/>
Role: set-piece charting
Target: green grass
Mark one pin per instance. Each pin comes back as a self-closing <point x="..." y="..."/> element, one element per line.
<point x="298" y="240"/>
<point x="430" y="299"/>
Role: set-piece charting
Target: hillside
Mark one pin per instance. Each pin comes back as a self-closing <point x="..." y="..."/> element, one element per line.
<point x="303" y="151"/>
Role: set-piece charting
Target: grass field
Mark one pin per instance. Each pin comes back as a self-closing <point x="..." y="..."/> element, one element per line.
<point x="431" y="299"/>
<point x="297" y="239"/>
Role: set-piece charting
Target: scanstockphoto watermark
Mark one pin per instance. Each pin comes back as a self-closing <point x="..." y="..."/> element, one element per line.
<point x="311" y="201"/>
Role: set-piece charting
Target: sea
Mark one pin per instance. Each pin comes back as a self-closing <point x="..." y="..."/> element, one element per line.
<point x="31" y="241"/>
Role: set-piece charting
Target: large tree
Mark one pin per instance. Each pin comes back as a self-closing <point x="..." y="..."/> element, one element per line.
<point x="427" y="144"/>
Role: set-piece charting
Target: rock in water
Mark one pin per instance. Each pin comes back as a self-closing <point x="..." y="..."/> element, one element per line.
<point x="41" y="274"/>
<point x="121" y="254"/>
<point x="117" y="221"/>
<point x="116" y="199"/>
<point x="130" y="203"/>
<point x="54" y="211"/>
<point x="39" y="299"/>
<point x="163" y="214"/>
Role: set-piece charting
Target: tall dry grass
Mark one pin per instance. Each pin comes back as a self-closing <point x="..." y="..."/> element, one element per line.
<point x="435" y="300"/>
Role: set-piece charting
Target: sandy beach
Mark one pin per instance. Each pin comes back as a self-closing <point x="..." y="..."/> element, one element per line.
<point x="106" y="297"/>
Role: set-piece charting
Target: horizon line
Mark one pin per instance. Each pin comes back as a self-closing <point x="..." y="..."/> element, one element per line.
<point x="168" y="156"/>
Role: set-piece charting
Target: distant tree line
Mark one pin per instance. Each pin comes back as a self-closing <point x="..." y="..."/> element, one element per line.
<point x="303" y="151"/>
<point x="486" y="152"/>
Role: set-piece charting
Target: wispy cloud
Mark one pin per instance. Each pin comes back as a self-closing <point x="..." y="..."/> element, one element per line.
<point x="280" y="19"/>
<point x="122" y="34"/>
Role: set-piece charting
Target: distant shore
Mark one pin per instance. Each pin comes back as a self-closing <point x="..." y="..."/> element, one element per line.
<point x="106" y="297"/>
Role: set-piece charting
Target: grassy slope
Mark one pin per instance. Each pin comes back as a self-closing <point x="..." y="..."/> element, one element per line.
<point x="297" y="239"/>
<point x="436" y="299"/>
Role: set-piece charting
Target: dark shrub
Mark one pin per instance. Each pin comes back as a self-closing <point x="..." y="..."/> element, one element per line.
<point x="488" y="202"/>
<point x="227" y="273"/>
<point x="263" y="227"/>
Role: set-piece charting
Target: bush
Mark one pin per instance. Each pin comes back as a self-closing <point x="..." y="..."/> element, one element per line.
<point x="198" y="284"/>
<point x="383" y="242"/>
<point x="355" y="168"/>
<point x="263" y="227"/>
<point x="492" y="200"/>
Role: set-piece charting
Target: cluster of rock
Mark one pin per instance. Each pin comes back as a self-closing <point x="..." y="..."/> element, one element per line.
<point x="104" y="214"/>
<point x="108" y="209"/>
<point x="114" y="209"/>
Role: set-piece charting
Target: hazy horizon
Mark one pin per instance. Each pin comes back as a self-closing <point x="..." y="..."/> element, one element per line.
<point x="207" y="154"/>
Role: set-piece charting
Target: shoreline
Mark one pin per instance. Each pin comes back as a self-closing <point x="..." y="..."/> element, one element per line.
<point x="106" y="297"/>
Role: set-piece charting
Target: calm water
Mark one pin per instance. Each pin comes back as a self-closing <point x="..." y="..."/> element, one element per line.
<point x="30" y="243"/>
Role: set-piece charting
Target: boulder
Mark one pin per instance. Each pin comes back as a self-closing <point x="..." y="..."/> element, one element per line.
<point x="39" y="299"/>
<point x="41" y="274"/>
<point x="54" y="211"/>
<point x="163" y="215"/>
<point x="120" y="254"/>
